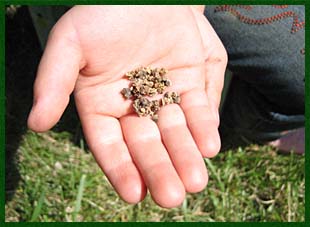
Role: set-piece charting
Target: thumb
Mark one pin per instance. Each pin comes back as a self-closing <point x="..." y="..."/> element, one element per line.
<point x="57" y="73"/>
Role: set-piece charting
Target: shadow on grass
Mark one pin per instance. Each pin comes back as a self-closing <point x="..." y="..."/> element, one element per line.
<point x="22" y="57"/>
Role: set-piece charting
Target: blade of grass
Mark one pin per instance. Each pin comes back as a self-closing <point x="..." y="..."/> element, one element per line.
<point x="37" y="209"/>
<point x="184" y="209"/>
<point x="213" y="171"/>
<point x="289" y="213"/>
<point x="79" y="197"/>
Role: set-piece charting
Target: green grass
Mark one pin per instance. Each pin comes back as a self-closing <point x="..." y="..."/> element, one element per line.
<point x="61" y="182"/>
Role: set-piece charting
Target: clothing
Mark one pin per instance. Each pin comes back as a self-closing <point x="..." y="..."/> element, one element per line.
<point x="265" y="46"/>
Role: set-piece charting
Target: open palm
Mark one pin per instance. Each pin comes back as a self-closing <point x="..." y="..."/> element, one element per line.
<point x="89" y="51"/>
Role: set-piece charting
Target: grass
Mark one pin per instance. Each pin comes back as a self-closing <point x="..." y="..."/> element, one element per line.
<point x="61" y="182"/>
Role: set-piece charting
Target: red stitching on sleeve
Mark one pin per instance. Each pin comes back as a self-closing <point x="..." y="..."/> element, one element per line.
<point x="247" y="7"/>
<point x="296" y="25"/>
<point x="280" y="6"/>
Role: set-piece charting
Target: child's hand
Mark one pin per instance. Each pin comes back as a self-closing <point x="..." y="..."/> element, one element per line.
<point x="88" y="52"/>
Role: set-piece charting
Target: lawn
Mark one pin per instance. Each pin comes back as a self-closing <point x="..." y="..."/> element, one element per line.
<point x="60" y="181"/>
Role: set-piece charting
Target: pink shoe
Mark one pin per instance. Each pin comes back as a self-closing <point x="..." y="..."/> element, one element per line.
<point x="292" y="141"/>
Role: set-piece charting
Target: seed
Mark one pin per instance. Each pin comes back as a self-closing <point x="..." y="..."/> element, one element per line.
<point x="170" y="97"/>
<point x="167" y="83"/>
<point x="155" y="117"/>
<point x="177" y="99"/>
<point x="127" y="93"/>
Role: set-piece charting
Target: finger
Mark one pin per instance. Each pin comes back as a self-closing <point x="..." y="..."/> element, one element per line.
<point x="216" y="60"/>
<point x="105" y="139"/>
<point x="215" y="66"/>
<point x="202" y="122"/>
<point x="182" y="149"/>
<point x="151" y="158"/>
<point x="56" y="76"/>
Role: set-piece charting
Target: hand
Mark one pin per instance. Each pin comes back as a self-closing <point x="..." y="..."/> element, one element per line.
<point x="88" y="52"/>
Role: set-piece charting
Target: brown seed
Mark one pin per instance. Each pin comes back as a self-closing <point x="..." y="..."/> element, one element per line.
<point x="177" y="100"/>
<point x="127" y="93"/>
<point x="167" y="82"/>
<point x="155" y="117"/>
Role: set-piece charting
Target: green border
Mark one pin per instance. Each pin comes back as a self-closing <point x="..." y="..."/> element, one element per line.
<point x="2" y="114"/>
<point x="151" y="224"/>
<point x="150" y="2"/>
<point x="307" y="107"/>
<point x="66" y="2"/>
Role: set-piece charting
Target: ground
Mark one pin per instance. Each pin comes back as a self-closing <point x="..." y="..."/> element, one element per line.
<point x="60" y="181"/>
<point x="53" y="177"/>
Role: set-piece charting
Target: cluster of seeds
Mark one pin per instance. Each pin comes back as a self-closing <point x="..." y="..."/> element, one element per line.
<point x="149" y="82"/>
<point x="170" y="97"/>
